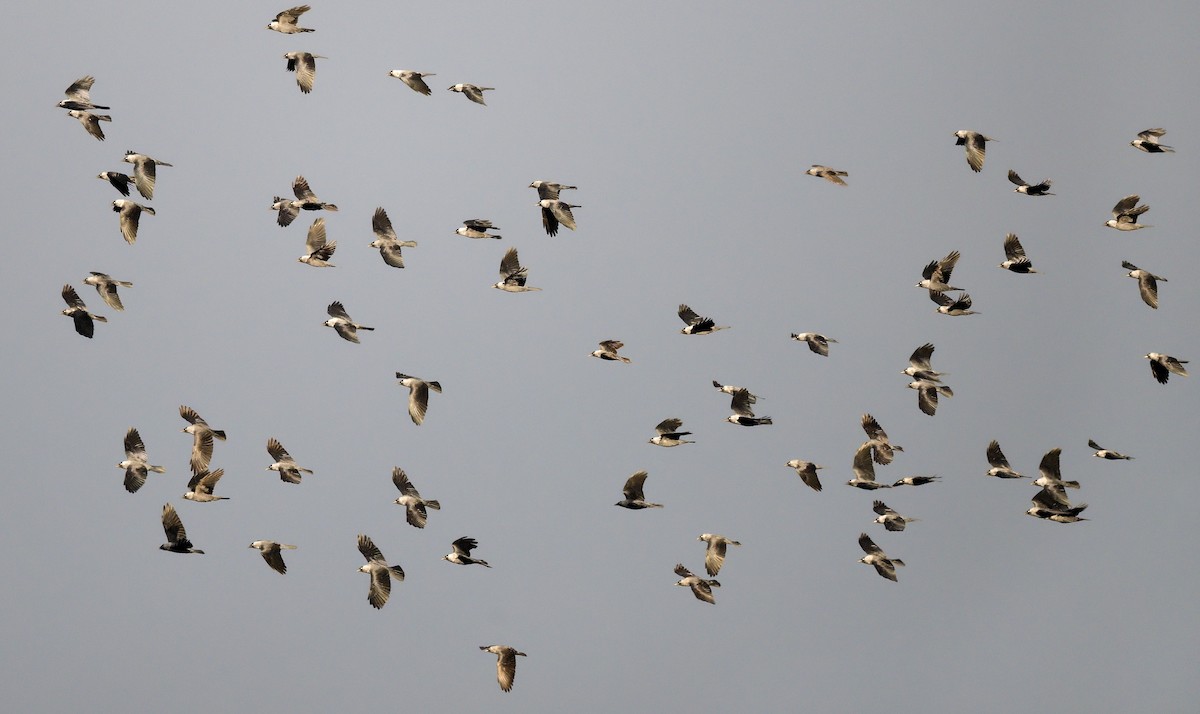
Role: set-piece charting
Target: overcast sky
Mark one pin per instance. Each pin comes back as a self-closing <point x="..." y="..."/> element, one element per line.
<point x="687" y="128"/>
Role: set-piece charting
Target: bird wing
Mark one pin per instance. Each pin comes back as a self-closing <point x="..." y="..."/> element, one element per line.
<point x="202" y="450"/>
<point x="941" y="298"/>
<point x="962" y="303"/>
<point x="510" y="264"/>
<point x="667" y="426"/>
<point x="173" y="525"/>
<point x="740" y="404"/>
<point x="864" y="470"/>
<point x="400" y="479"/>
<point x="927" y="400"/>
<point x="1092" y="443"/>
<point x="464" y="546"/>
<point x="72" y="298"/>
<point x="714" y="555"/>
<point x="682" y="571"/>
<point x="946" y="265"/>
<point x="134" y="447"/>
<point x="868" y="545"/>
<point x="301" y="189"/>
<point x="382" y="225"/>
<point x="367" y="547"/>
<point x="919" y="360"/>
<point x="882" y="508"/>
<point x="1125" y="205"/>
<point x="688" y="315"/>
<point x="1150" y="135"/>
<point x="1014" y="178"/>
<point x="995" y="456"/>
<point x="634" y="485"/>
<point x="506" y="668"/>
<point x="79" y="89"/>
<point x="1013" y="250"/>
<point x="336" y="309"/>
<point x="316" y="236"/>
<point x="274" y="558"/>
<point x="418" y="401"/>
<point x="277" y="452"/>
<point x="1049" y="466"/>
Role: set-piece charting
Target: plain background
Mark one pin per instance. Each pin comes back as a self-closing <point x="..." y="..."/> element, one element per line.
<point x="687" y="128"/>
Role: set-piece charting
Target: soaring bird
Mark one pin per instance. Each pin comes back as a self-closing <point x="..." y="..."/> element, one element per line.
<point x="1040" y="189"/>
<point x="136" y="463"/>
<point x="202" y="438"/>
<point x="305" y="200"/>
<point x="415" y="80"/>
<point x="1125" y="214"/>
<point x="1161" y="366"/>
<point x="875" y="556"/>
<point x="916" y="480"/>
<point x="386" y="241"/>
<point x="919" y="366"/>
<point x="340" y="320"/>
<point x="506" y="664"/>
<point x="410" y="498"/>
<point x="78" y="96"/>
<point x="118" y="180"/>
<point x="144" y="172"/>
<point x="1053" y="507"/>
<point x="1015" y="259"/>
<point x="1147" y="141"/>
<point x="177" y="538"/>
<point x="90" y="122"/>
<point x="461" y="555"/>
<point x="1147" y="283"/>
<point x="975" y="145"/>
<point x="830" y="175"/>
<point x="669" y="434"/>
<point x="696" y="325"/>
<point x="304" y="64"/>
<point x="477" y="228"/>
<point x="1108" y="453"/>
<point x="319" y="252"/>
<point x="512" y="274"/>
<point x="129" y="214"/>
<point x="1050" y="477"/>
<point x="731" y="389"/>
<point x="635" y="498"/>
<point x="742" y="413"/>
<point x="85" y="322"/>
<point x="877" y="439"/>
<point x="936" y="275"/>
<point x="608" y="351"/>
<point x="289" y="471"/>
<point x="200" y="487"/>
<point x="864" y="470"/>
<point x="714" y="553"/>
<point x="107" y="287"/>
<point x="927" y="395"/>
<point x="381" y="573"/>
<point x="418" y="395"/>
<point x="999" y="463"/>
<point x="952" y="306"/>
<point x="817" y="343"/>
<point x="807" y="471"/>
<point x="889" y="518"/>
<point x="549" y="189"/>
<point x="472" y="92"/>
<point x="556" y="212"/>
<point x="285" y="21"/>
<point x="701" y="588"/>
<point x="272" y="553"/>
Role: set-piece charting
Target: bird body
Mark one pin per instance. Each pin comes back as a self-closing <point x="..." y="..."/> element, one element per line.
<point x="608" y="351"/>
<point x="118" y="180"/>
<point x="340" y="321"/>
<point x="1108" y="454"/>
<point x="319" y="251"/>
<point x="669" y="434"/>
<point x="418" y="395"/>
<point x="1040" y="189"/>
<point x="272" y="554"/>
<point x="304" y="64"/>
<point x="79" y="97"/>
<point x="696" y="325"/>
<point x="506" y="664"/>
<point x="742" y="414"/>
<point x="1147" y="141"/>
<point x="919" y="365"/>
<point x="936" y="275"/>
<point x="513" y="275"/>
<point x="1015" y="259"/>
<point x="830" y="175"/>
<point x="1147" y="283"/>
<point x="386" y="241"/>
<point x="414" y="506"/>
<point x="136" y="463"/>
<point x="177" y="538"/>
<point x="285" y="21"/>
<point x="975" y="145"/>
<point x="289" y="471"/>
<point x="1125" y="214"/>
<point x="461" y="555"/>
<point x="1163" y="366"/>
<point x="714" y="552"/>
<point x="129" y="214"/>
<point x="144" y="172"/>
<point x="107" y="288"/>
<point x="889" y="518"/>
<point x="916" y="480"/>
<point x="817" y="343"/>
<point x="85" y="322"/>
<point x="414" y="80"/>
<point x="200" y="487"/>
<point x="472" y="92"/>
<point x="885" y="566"/>
<point x="701" y="588"/>
<point x="953" y="307"/>
<point x="381" y="573"/>
<point x="807" y="471"/>
<point x="477" y="228"/>
<point x="635" y="498"/>
<point x="999" y="463"/>
<point x="90" y="121"/>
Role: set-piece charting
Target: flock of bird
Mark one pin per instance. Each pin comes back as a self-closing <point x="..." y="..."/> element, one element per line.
<point x="1050" y="502"/>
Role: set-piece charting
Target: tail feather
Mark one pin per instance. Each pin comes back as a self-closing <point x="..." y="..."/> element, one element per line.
<point x="157" y="469"/>
<point x="434" y="505"/>
<point x="219" y="434"/>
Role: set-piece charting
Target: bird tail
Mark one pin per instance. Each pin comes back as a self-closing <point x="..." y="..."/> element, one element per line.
<point x="1070" y="484"/>
<point x="329" y="207"/>
<point x="626" y="360"/>
<point x="123" y="283"/>
<point x="219" y="434"/>
<point x="946" y="391"/>
<point x="407" y="244"/>
<point x="157" y="469"/>
<point x="435" y="386"/>
<point x="897" y="561"/>
<point x="656" y="505"/>
<point x="307" y="471"/>
<point x="713" y="584"/>
<point x="363" y="327"/>
<point x="99" y="318"/>
<point x="483" y="563"/>
<point x="397" y="572"/>
<point x="102" y="117"/>
<point x="434" y="505"/>
<point x="148" y="209"/>
<point x="734" y="542"/>
<point x="161" y="163"/>
<point x="286" y="546"/>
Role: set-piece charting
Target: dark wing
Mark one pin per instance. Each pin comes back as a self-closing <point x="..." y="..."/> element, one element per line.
<point x="920" y="360"/>
<point x="1013" y="250"/>
<point x="1049" y="466"/>
<point x="336" y="309"/>
<point x="1014" y="178"/>
<point x="881" y="508"/>
<point x="868" y="545"/>
<point x="667" y="426"/>
<point x="871" y="426"/>
<point x="382" y="225"/>
<point x="941" y="298"/>
<point x="72" y="298"/>
<point x="946" y="265"/>
<point x="276" y="450"/>
<point x="134" y="447"/>
<point x="464" y="545"/>
<point x="510" y="264"/>
<point x="172" y="525"/>
<point x="368" y="549"/>
<point x="400" y="479"/>
<point x="633" y="486"/>
<point x="688" y="315"/>
<point x="316" y="236"/>
<point x="683" y="572"/>
<point x="1094" y="445"/>
<point x="302" y="191"/>
<point x="1125" y="205"/>
<point x="1159" y="371"/>
<point x="995" y="456"/>
<point x="740" y="404"/>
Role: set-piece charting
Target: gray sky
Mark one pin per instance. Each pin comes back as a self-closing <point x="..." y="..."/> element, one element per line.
<point x="687" y="128"/>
